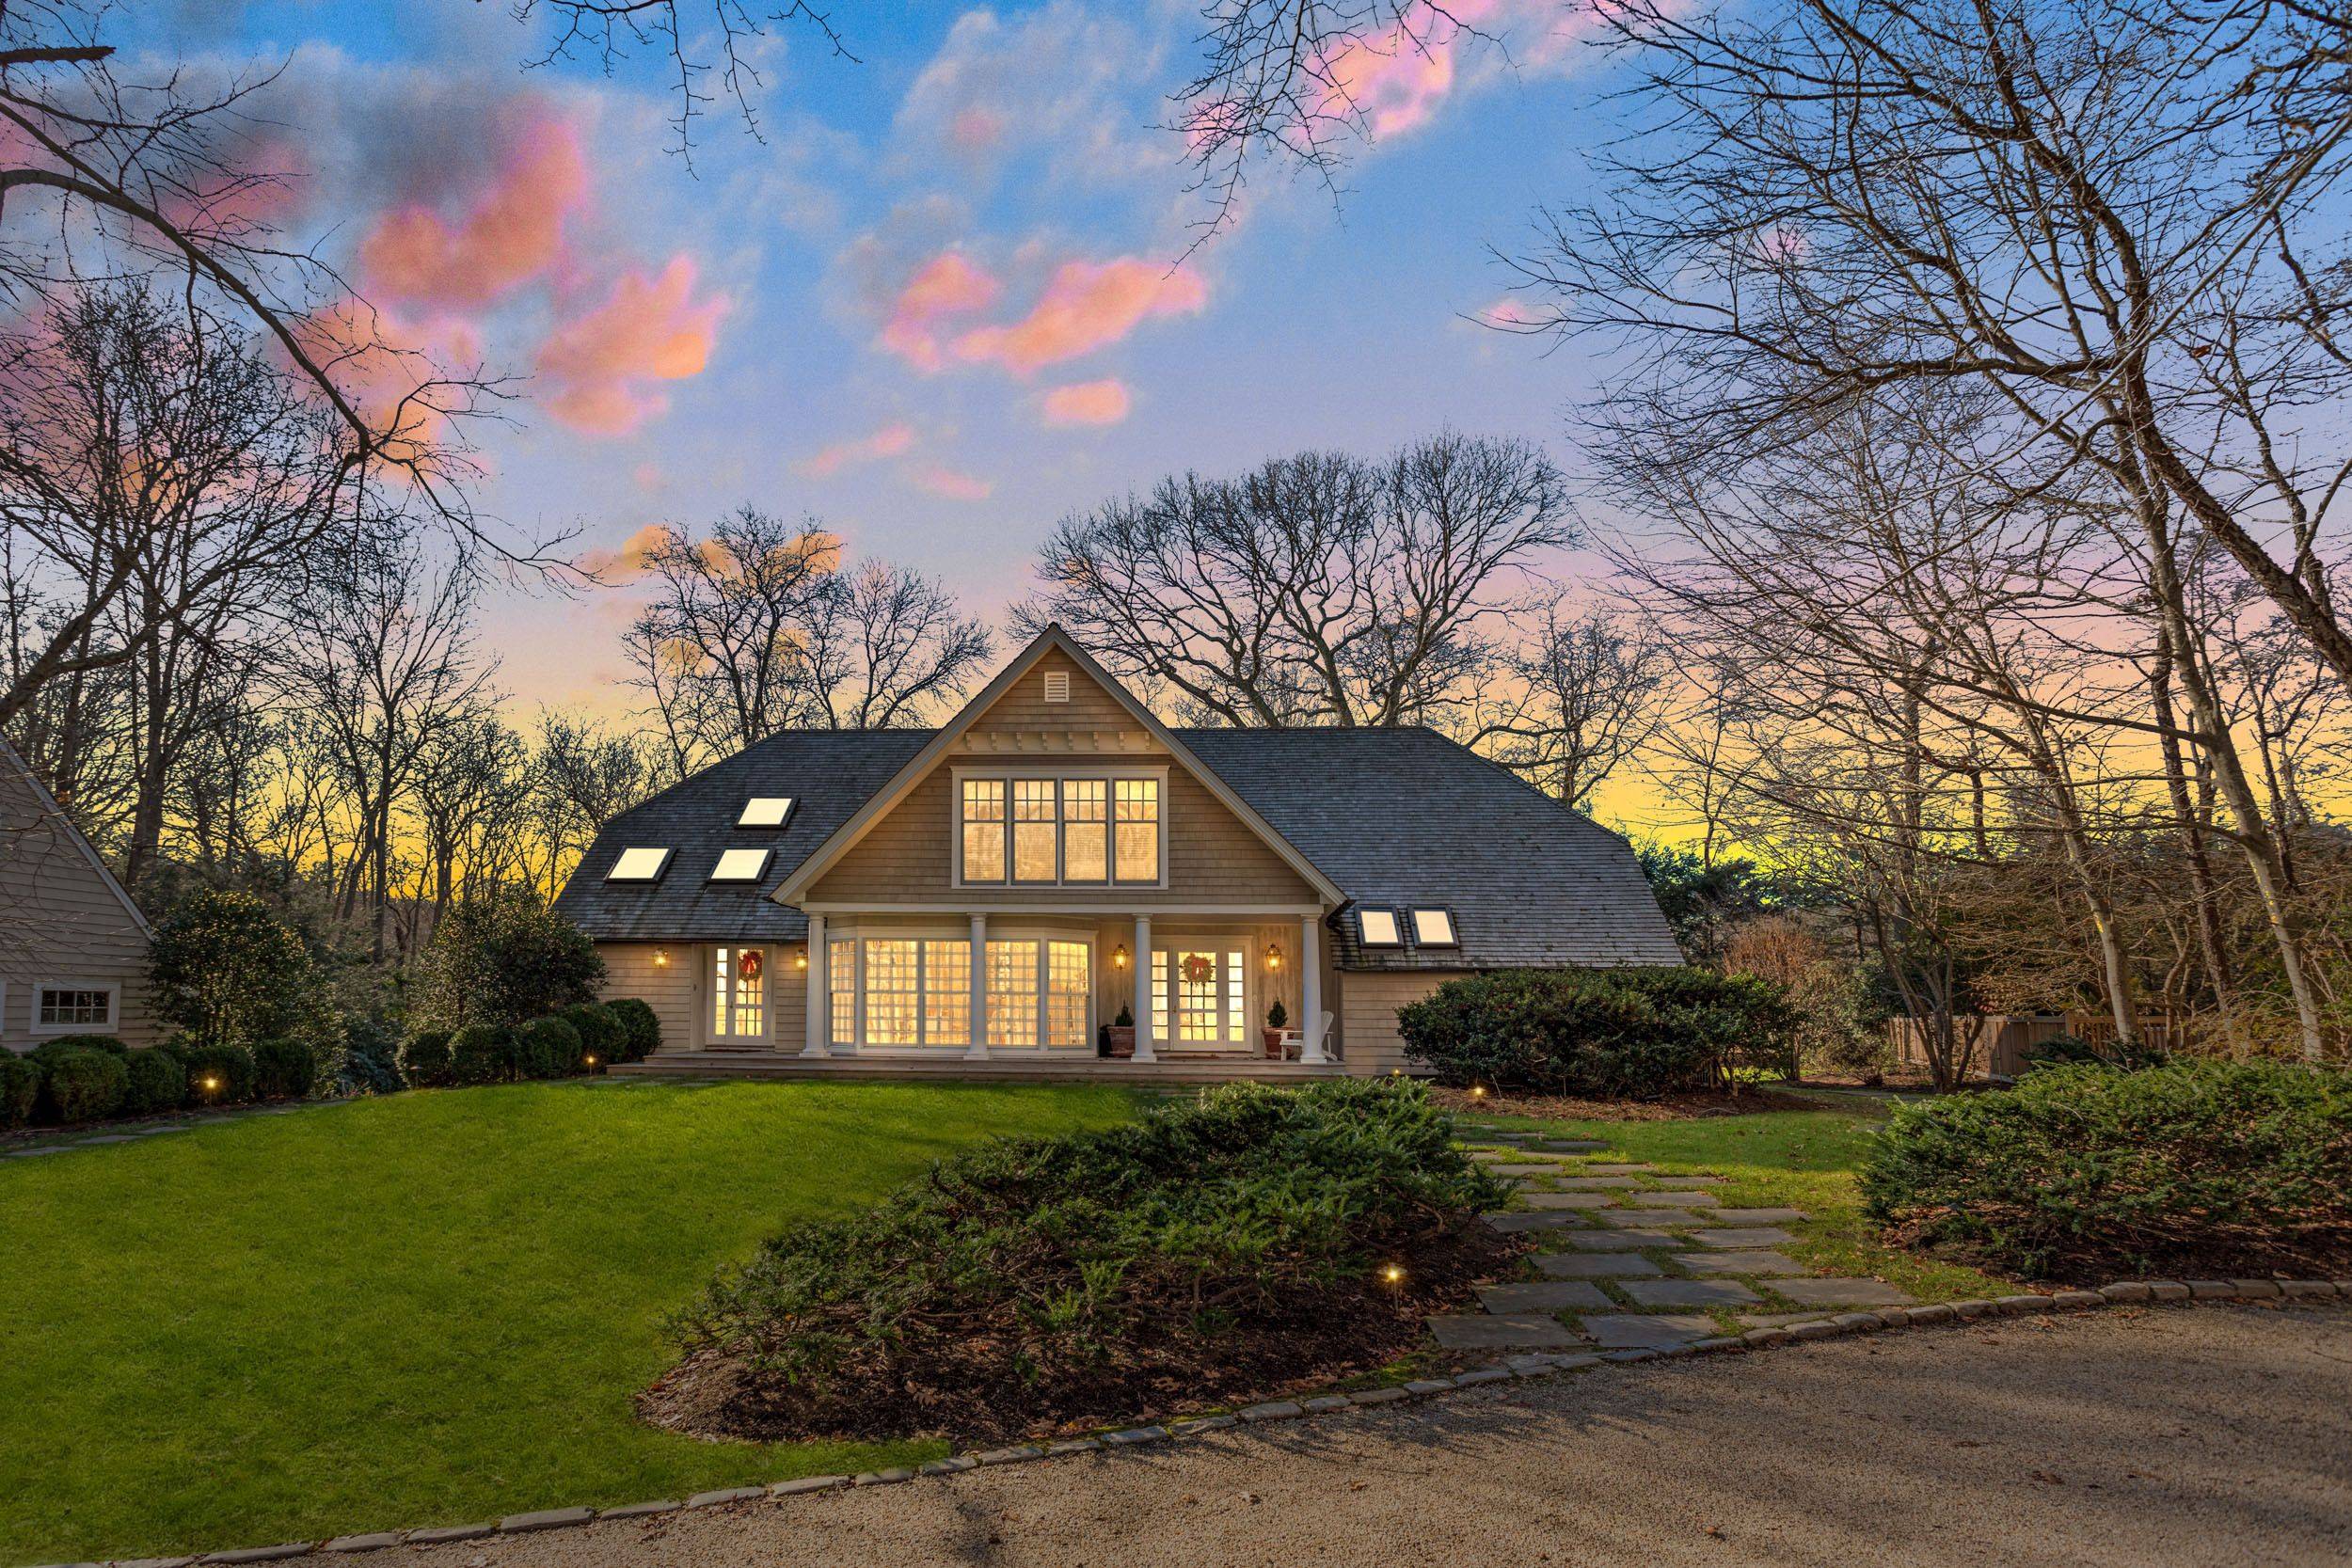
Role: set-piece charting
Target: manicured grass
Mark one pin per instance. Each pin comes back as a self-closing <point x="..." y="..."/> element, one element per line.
<point x="429" y="1309"/>
<point x="1786" y="1159"/>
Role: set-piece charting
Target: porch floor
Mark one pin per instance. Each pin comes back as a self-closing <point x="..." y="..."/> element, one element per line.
<point x="1071" y="1070"/>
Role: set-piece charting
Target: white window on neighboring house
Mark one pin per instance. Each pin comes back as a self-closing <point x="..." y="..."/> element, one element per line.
<point x="739" y="865"/>
<point x="1377" y="928"/>
<point x="639" y="863"/>
<point x="1433" y="928"/>
<point x="75" y="1008"/>
<point x="766" y="811"/>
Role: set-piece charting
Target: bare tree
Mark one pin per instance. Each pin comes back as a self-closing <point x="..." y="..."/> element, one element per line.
<point x="885" y="644"/>
<point x="1319" y="589"/>
<point x="1582" y="695"/>
<point x="582" y="777"/>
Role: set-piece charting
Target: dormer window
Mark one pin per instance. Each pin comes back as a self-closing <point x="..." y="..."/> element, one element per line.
<point x="1434" y="927"/>
<point x="740" y="865"/>
<point x="766" y="811"/>
<point x="639" y="864"/>
<point x="1377" y="928"/>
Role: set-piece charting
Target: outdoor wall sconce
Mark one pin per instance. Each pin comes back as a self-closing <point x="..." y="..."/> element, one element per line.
<point x="1119" y="956"/>
<point x="800" y="959"/>
<point x="1274" y="955"/>
<point x="662" y="957"/>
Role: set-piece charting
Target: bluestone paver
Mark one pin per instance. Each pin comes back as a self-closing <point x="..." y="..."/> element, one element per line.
<point x="1760" y="1216"/>
<point x="1619" y="1241"/>
<point x="1551" y="1295"/>
<point x="1737" y="1262"/>
<point x="1647" y="1330"/>
<point x="1691" y="1292"/>
<point x="1502" y="1331"/>
<point x="1567" y="1200"/>
<point x="1594" y="1265"/>
<point x="1742" y="1237"/>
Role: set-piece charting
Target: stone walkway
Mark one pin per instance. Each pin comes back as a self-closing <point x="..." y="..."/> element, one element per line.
<point x="57" y="1140"/>
<point x="1634" y="1259"/>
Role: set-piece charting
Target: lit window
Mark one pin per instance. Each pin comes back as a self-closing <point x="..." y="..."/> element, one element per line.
<point x="1433" y="928"/>
<point x="893" y="990"/>
<point x="1377" y="928"/>
<point x="1086" y="847"/>
<point x="1033" y="831"/>
<point x="947" y="993"/>
<point x="738" y="992"/>
<point x="765" y="810"/>
<point x="74" y="1007"/>
<point x="841" y="974"/>
<point x="983" y="829"/>
<point x="918" y="990"/>
<point x="642" y="863"/>
<point x="1013" y="993"/>
<point x="1138" y="820"/>
<point x="740" y="865"/>
<point x="1069" y="987"/>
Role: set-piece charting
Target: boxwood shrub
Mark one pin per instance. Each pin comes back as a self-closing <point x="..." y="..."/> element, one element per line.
<point x="154" y="1084"/>
<point x="284" y="1068"/>
<point x="1603" y="1033"/>
<point x="2211" y="1169"/>
<point x="642" y="1024"/>
<point x="424" y="1059"/>
<point x="19" y="1089"/>
<point x="602" y="1035"/>
<point x="83" y="1086"/>
<point x="216" y="1074"/>
<point x="483" y="1053"/>
<point x="1207" y="1249"/>
<point x="108" y="1043"/>
<point x="550" y="1048"/>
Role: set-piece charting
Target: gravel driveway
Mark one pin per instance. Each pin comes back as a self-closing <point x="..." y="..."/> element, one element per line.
<point x="2210" y="1435"/>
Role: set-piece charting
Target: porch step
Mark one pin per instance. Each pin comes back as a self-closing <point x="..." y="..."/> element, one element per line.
<point x="1076" y="1070"/>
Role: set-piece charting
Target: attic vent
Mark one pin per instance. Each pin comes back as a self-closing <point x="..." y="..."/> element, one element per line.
<point x="1058" y="685"/>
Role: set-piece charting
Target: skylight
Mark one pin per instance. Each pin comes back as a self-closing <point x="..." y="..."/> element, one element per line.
<point x="1377" y="928"/>
<point x="639" y="863"/>
<point x="765" y="810"/>
<point x="740" y="865"/>
<point x="1433" y="928"/>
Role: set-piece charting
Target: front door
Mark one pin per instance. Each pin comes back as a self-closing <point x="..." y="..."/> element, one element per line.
<point x="739" y="997"/>
<point x="1199" y="997"/>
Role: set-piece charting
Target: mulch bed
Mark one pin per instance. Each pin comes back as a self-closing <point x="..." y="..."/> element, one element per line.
<point x="1671" y="1107"/>
<point x="1157" y="1372"/>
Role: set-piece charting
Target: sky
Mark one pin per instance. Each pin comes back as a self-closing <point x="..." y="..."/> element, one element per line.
<point x="940" y="300"/>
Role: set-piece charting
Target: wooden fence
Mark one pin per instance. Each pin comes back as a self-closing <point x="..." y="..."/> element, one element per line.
<point x="2004" y="1041"/>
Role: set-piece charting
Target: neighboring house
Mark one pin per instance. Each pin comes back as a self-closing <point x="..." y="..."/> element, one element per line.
<point x="1054" y="855"/>
<point x="72" y="946"/>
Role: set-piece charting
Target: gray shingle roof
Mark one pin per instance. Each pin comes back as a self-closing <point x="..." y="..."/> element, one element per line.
<point x="1397" y="817"/>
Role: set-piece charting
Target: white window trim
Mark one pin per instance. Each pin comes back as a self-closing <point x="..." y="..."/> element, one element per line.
<point x="51" y="1031"/>
<point x="1252" y="986"/>
<point x="1157" y="772"/>
<point x="854" y="1037"/>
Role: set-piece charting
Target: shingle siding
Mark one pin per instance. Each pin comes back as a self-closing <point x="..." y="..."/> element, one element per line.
<point x="63" y="919"/>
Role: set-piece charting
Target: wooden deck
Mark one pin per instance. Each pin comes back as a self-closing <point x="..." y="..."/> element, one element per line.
<point x="1034" y="1070"/>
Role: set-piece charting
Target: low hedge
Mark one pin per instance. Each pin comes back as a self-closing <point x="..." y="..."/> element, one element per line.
<point x="1210" y="1249"/>
<point x="550" y="1048"/>
<point x="284" y="1068"/>
<point x="2211" y="1168"/>
<point x="1601" y="1032"/>
<point x="19" y="1089"/>
<point x="216" y="1074"/>
<point x="424" y="1059"/>
<point x="154" y="1084"/>
<point x="602" y="1035"/>
<point x="642" y="1025"/>
<point x="483" y="1053"/>
<point x="81" y="1085"/>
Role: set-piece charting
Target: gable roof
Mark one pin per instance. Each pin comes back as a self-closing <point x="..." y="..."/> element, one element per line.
<point x="920" y="764"/>
<point x="1406" y="818"/>
<point x="45" y="814"/>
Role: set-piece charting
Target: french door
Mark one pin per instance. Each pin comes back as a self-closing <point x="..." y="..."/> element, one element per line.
<point x="1199" y="997"/>
<point x="739" y="996"/>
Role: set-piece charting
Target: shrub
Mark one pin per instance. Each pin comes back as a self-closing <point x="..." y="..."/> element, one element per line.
<point x="2084" y="1172"/>
<point x="229" y="972"/>
<point x="1040" y="1278"/>
<point x="424" y="1059"/>
<point x="505" y="959"/>
<point x="156" y="1084"/>
<point x="19" y="1089"/>
<point x="83" y="1086"/>
<point x="602" y="1035"/>
<point x="368" y="1058"/>
<point x="284" y="1069"/>
<point x="642" y="1024"/>
<point x="550" y="1048"/>
<point x="1601" y="1031"/>
<point x="217" y="1075"/>
<point x="483" y="1053"/>
<point x="108" y="1043"/>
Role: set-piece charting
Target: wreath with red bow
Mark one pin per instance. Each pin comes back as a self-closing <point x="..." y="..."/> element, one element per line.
<point x="1200" y="967"/>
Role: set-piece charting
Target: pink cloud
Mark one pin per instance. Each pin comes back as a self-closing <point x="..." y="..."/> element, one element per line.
<point x="646" y="330"/>
<point x="1087" y="403"/>
<point x="628" y="559"/>
<point x="889" y="441"/>
<point x="948" y="285"/>
<point x="510" y="233"/>
<point x="1513" y="311"/>
<point x="1396" y="77"/>
<point x="1085" y="306"/>
<point x="954" y="486"/>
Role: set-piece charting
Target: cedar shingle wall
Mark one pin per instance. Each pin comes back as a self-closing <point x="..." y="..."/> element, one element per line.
<point x="60" y="923"/>
<point x="1366" y="1015"/>
<point x="678" y="992"/>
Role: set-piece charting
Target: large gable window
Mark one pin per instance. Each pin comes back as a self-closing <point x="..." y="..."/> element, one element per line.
<point x="1039" y="831"/>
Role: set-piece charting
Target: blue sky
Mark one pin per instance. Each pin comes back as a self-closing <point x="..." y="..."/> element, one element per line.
<point x="1020" y="142"/>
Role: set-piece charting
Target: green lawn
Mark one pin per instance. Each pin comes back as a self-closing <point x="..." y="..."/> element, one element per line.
<point x="1786" y="1159"/>
<point x="428" y="1308"/>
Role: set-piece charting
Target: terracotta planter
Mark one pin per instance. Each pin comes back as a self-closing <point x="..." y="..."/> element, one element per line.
<point x="1274" y="1040"/>
<point x="1123" y="1040"/>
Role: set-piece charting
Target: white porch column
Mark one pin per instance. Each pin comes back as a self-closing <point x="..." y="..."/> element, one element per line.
<point x="1143" y="988"/>
<point x="820" y="1042"/>
<point x="1311" y="988"/>
<point x="977" y="1050"/>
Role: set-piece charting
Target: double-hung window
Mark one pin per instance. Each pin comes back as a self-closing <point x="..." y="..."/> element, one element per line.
<point x="918" y="990"/>
<point x="1074" y="832"/>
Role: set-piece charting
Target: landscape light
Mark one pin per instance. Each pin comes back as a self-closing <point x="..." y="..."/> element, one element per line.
<point x="1394" y="1273"/>
<point x="589" y="1061"/>
<point x="1478" y="1091"/>
<point x="211" y="1083"/>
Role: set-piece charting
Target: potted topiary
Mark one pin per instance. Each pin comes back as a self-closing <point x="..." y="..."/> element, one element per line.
<point x="1122" y="1034"/>
<point x="1277" y="1020"/>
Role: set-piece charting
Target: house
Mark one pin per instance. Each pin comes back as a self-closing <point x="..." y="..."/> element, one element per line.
<point x="72" y="946"/>
<point x="850" y="903"/>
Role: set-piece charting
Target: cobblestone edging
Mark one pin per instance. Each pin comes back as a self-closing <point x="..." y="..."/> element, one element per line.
<point x="1829" y="1327"/>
